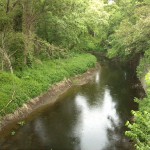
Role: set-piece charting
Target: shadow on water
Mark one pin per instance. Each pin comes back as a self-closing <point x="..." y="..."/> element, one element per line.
<point x="88" y="117"/>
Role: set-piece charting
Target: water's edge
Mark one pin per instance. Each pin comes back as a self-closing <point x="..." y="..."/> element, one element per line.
<point x="50" y="97"/>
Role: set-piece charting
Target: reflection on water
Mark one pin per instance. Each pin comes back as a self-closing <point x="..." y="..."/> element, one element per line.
<point x="95" y="122"/>
<point x="89" y="117"/>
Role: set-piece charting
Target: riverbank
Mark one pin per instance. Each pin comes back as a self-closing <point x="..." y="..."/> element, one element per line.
<point x="140" y="129"/>
<point x="18" y="90"/>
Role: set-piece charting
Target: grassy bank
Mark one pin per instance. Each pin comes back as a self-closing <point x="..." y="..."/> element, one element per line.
<point x="140" y="129"/>
<point x="19" y="88"/>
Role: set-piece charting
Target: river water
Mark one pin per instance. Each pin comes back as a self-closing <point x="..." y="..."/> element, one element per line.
<point x="87" y="117"/>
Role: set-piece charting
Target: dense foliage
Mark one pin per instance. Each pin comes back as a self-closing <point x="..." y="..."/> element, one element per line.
<point x="140" y="129"/>
<point x="43" y="29"/>
<point x="16" y="90"/>
<point x="131" y="37"/>
<point x="37" y="39"/>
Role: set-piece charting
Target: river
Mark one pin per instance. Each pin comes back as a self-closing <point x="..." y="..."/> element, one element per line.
<point x="87" y="117"/>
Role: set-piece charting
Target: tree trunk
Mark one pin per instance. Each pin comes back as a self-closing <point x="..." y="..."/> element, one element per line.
<point x="5" y="56"/>
<point x="9" y="62"/>
<point x="7" y="8"/>
<point x="28" y="29"/>
<point x="25" y="28"/>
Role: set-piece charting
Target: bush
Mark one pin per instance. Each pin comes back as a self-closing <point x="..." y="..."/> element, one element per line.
<point x="140" y="129"/>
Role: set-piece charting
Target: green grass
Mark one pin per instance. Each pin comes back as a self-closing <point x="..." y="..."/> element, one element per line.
<point x="23" y="86"/>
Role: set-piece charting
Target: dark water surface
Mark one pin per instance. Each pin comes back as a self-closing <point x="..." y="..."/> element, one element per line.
<point x="88" y="117"/>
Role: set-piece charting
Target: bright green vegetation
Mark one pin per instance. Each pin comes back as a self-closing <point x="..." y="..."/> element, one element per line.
<point x="32" y="30"/>
<point x="131" y="38"/>
<point x="140" y="129"/>
<point x="32" y="82"/>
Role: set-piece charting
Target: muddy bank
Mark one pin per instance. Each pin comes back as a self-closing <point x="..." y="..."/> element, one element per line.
<point x="48" y="98"/>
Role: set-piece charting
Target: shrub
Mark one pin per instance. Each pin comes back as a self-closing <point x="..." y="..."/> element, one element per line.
<point x="140" y="129"/>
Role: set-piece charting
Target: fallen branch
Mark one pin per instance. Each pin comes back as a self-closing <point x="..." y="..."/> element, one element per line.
<point x="2" y="110"/>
